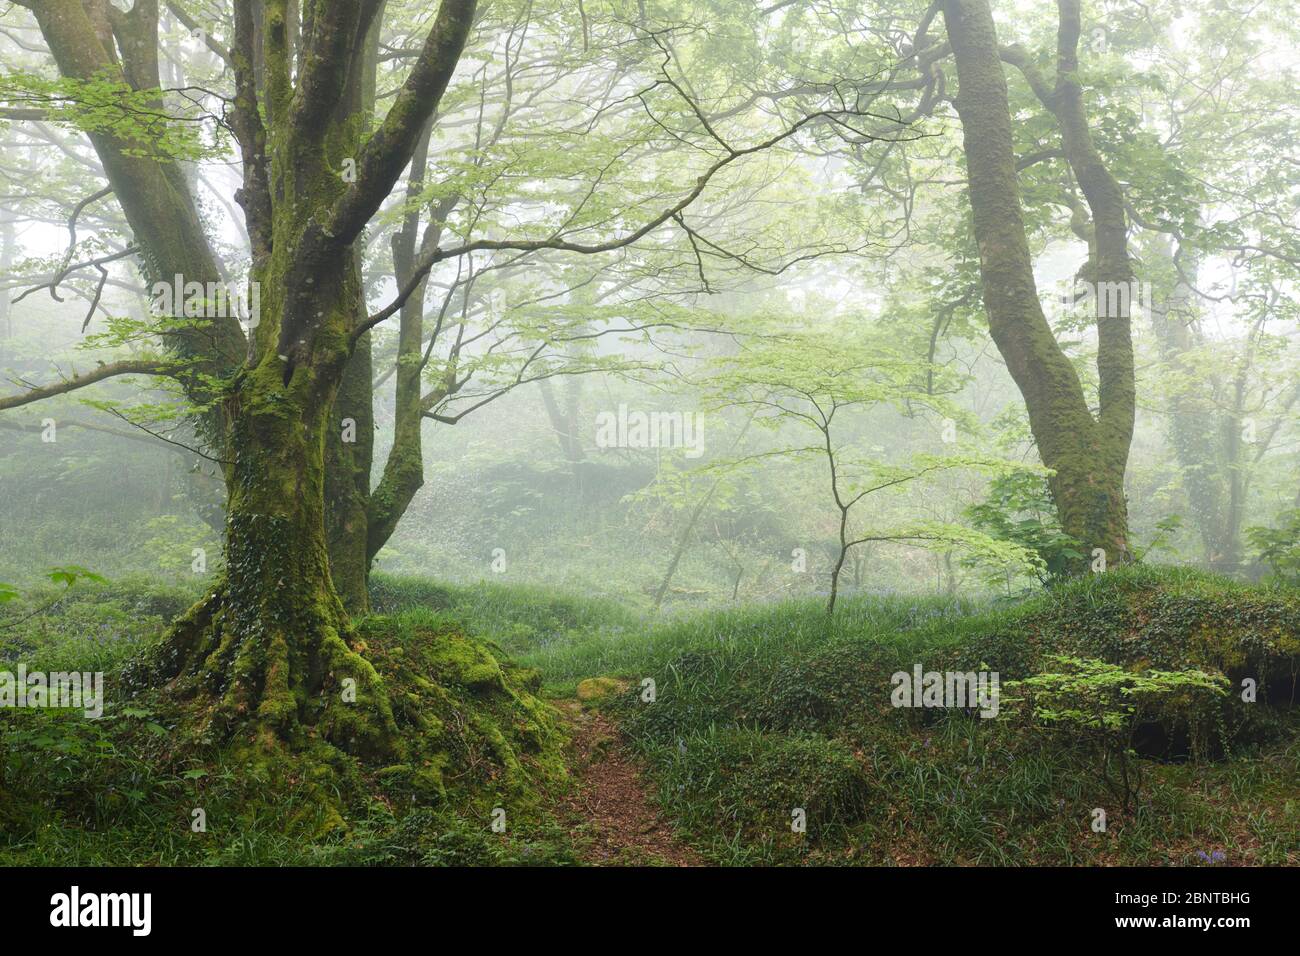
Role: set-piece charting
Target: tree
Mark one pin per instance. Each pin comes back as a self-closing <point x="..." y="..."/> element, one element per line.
<point x="798" y="383"/>
<point x="1087" y="454"/>
<point x="1207" y="185"/>
<point x="271" y="644"/>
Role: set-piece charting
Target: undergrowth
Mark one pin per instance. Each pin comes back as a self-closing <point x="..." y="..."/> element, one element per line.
<point x="767" y="732"/>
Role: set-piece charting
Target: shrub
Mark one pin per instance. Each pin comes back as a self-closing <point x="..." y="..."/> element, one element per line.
<point x="1100" y="707"/>
<point x="1279" y="547"/>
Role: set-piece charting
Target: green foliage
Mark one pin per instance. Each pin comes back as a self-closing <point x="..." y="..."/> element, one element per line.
<point x="1279" y="547"/>
<point x="937" y="786"/>
<point x="1102" y="706"/>
<point x="107" y="106"/>
<point x="1093" y="695"/>
<point x="70" y="574"/>
<point x="807" y="391"/>
<point x="1018" y="508"/>
<point x="1165" y="530"/>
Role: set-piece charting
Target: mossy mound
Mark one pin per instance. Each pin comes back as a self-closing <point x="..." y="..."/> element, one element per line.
<point x="1152" y="618"/>
<point x="474" y="735"/>
<point x="794" y="711"/>
<point x="597" y="688"/>
<point x="147" y="783"/>
<point x="1137" y="617"/>
<point x="1143" y="617"/>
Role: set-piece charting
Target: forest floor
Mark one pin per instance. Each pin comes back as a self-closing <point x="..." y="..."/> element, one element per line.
<point x="619" y="820"/>
<point x="760" y="716"/>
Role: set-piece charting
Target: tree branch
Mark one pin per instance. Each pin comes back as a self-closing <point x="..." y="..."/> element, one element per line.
<point x="127" y="367"/>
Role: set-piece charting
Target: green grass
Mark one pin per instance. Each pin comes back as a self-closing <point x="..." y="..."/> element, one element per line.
<point x="734" y="640"/>
<point x="745" y="698"/>
<point x="518" y="618"/>
<point x="122" y="790"/>
<point x="758" y="711"/>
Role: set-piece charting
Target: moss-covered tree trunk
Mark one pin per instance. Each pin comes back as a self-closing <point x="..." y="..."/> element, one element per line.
<point x="350" y="451"/>
<point x="270" y="642"/>
<point x="269" y="650"/>
<point x="349" y="454"/>
<point x="1088" y="455"/>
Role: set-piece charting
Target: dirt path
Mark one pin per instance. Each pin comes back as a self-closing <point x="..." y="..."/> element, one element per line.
<point x="611" y="801"/>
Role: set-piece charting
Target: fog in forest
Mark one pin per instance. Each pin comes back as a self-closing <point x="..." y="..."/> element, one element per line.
<point x="567" y="458"/>
<point x="427" y="397"/>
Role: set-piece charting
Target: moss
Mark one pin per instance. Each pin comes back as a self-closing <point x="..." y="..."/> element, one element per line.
<point x="476" y="733"/>
<point x="470" y="737"/>
<point x="459" y="660"/>
<point x="420" y="785"/>
<point x="278" y="706"/>
<point x="1147" y="617"/>
<point x="597" y="688"/>
<point x="356" y="704"/>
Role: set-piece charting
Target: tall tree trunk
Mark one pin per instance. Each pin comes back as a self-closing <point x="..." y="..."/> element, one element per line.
<point x="1110" y="274"/>
<point x="152" y="190"/>
<point x="403" y="473"/>
<point x="350" y="450"/>
<point x="349" y="454"/>
<point x="1194" y="421"/>
<point x="269" y="645"/>
<point x="1088" y="457"/>
<point x="270" y="641"/>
